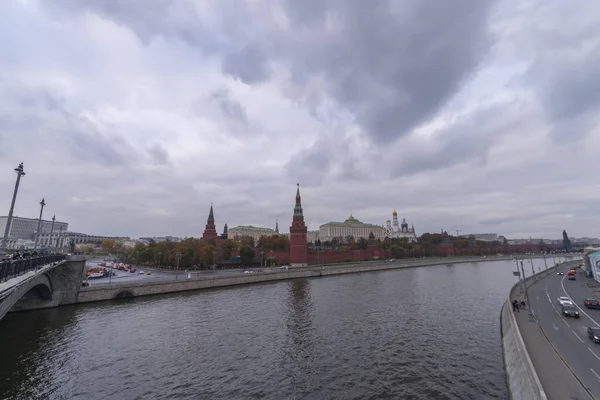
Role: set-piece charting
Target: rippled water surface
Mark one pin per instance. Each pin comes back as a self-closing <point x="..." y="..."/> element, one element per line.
<point x="422" y="333"/>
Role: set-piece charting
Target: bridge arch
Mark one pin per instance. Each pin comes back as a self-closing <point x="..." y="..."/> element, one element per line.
<point x="34" y="293"/>
<point x="124" y="294"/>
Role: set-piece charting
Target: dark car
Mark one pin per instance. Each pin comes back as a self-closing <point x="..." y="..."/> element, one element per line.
<point x="572" y="278"/>
<point x="569" y="311"/>
<point x="591" y="303"/>
<point x="594" y="334"/>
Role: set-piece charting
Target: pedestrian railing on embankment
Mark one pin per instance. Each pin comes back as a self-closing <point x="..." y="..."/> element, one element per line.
<point x="522" y="379"/>
<point x="13" y="268"/>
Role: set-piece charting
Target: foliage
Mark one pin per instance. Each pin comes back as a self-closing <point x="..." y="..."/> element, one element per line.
<point x="246" y="255"/>
<point x="207" y="255"/>
<point x="274" y="242"/>
<point x="226" y="248"/>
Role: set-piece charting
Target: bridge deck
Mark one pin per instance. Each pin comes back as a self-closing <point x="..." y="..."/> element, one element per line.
<point x="6" y="287"/>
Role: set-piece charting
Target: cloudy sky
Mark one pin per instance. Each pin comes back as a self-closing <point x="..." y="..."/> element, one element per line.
<point x="132" y="116"/>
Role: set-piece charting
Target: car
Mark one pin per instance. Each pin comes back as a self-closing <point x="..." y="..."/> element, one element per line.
<point x="248" y="272"/>
<point x="572" y="278"/>
<point x="564" y="299"/>
<point x="132" y="270"/>
<point x="149" y="273"/>
<point x="594" y="334"/>
<point x="569" y="310"/>
<point x="284" y="267"/>
<point x="571" y="272"/>
<point x="591" y="303"/>
<point x="560" y="273"/>
<point x="141" y="272"/>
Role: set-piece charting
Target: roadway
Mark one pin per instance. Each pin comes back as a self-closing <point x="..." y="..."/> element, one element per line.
<point x="569" y="335"/>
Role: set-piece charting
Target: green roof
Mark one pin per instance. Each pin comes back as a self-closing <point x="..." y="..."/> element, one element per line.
<point x="351" y="222"/>
<point x="251" y="228"/>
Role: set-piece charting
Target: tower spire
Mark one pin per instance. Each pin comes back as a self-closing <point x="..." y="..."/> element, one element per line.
<point x="277" y="226"/>
<point x="298" y="207"/>
<point x="211" y="216"/>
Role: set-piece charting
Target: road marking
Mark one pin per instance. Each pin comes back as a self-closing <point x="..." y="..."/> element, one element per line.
<point x="575" y="333"/>
<point x="566" y="323"/>
<point x="554" y="326"/>
<point x="594" y="353"/>
<point x="567" y="294"/>
<point x="594" y="372"/>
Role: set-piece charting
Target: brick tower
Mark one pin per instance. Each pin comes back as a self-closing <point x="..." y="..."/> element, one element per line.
<point x="298" y="246"/>
<point x="210" y="232"/>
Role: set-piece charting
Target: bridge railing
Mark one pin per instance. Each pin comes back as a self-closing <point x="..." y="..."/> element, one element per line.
<point x="13" y="268"/>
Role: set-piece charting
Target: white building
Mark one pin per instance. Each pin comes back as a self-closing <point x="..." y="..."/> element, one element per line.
<point x="253" y="231"/>
<point x="350" y="227"/>
<point x="25" y="228"/>
<point x="398" y="231"/>
<point x="62" y="239"/>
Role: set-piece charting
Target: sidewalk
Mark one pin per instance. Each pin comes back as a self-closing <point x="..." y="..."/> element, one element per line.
<point x="558" y="381"/>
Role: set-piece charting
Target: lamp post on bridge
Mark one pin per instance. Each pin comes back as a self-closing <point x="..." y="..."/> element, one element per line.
<point x="20" y="172"/>
<point x="51" y="232"/>
<point x="37" y="236"/>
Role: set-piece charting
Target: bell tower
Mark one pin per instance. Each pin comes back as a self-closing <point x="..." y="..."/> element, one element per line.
<point x="298" y="244"/>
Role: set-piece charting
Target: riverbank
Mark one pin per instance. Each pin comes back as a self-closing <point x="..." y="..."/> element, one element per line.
<point x="148" y="288"/>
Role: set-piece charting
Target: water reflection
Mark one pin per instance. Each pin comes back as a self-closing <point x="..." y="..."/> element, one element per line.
<point x="300" y="342"/>
<point x="28" y="341"/>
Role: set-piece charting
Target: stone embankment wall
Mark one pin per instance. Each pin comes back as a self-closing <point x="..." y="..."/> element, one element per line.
<point x="109" y="292"/>
<point x="522" y="379"/>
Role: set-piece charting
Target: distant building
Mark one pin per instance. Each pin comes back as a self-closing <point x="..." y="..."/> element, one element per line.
<point x="62" y="239"/>
<point x="210" y="231"/>
<point x="312" y="236"/>
<point x="485" y="237"/>
<point x="248" y="230"/>
<point x="350" y="227"/>
<point x="399" y="231"/>
<point x="25" y="228"/>
<point x="298" y="245"/>
<point x="158" y="239"/>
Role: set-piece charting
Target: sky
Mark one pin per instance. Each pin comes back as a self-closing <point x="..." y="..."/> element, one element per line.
<point x="132" y="116"/>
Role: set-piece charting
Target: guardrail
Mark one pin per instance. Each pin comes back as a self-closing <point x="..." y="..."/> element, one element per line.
<point x="13" y="268"/>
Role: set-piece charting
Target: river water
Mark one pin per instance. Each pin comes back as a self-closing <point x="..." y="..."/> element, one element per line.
<point x="420" y="333"/>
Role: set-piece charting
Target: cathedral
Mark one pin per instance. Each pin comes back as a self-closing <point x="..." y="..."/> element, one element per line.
<point x="395" y="231"/>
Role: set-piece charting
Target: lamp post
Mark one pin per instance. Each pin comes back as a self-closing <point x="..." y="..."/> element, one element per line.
<point x="20" y="173"/>
<point x="159" y="257"/>
<point x="178" y="257"/>
<point x="51" y="231"/>
<point x="262" y="258"/>
<point x="39" y="226"/>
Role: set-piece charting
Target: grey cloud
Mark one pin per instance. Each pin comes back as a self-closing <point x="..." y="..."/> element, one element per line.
<point x="159" y="154"/>
<point x="248" y="64"/>
<point x="229" y="106"/>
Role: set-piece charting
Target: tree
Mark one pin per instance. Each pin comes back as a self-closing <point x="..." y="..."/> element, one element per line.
<point x="226" y="246"/>
<point x="207" y="254"/>
<point x="108" y="244"/>
<point x="246" y="255"/>
<point x="566" y="241"/>
<point x="363" y="243"/>
<point x="247" y="241"/>
<point x="349" y="239"/>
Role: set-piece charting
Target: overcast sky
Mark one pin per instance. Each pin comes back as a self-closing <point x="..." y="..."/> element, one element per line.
<point x="133" y="116"/>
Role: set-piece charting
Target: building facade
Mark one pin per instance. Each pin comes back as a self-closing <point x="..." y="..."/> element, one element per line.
<point x="62" y="239"/>
<point x="25" y="228"/>
<point x="398" y="231"/>
<point x="248" y="230"/>
<point x="350" y="227"/>
<point x="210" y="231"/>
<point x="298" y="244"/>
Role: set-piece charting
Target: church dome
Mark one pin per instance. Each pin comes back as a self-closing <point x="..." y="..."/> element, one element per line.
<point x="351" y="219"/>
<point x="394" y="213"/>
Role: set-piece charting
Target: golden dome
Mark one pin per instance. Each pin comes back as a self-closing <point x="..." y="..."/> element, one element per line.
<point x="394" y="213"/>
<point x="387" y="220"/>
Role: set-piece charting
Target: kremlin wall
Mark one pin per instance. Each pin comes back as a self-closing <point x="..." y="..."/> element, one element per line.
<point x="299" y="253"/>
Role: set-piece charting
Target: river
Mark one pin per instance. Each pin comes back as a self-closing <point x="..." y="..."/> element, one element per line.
<point x="419" y="333"/>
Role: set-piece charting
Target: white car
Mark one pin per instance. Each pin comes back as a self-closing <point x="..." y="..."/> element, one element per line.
<point x="284" y="267"/>
<point x="248" y="272"/>
<point x="565" y="300"/>
<point x="141" y="273"/>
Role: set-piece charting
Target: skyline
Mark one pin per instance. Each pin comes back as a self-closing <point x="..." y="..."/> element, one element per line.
<point x="131" y="124"/>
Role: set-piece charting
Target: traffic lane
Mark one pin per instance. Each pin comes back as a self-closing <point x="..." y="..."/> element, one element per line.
<point x="568" y="335"/>
<point x="579" y="291"/>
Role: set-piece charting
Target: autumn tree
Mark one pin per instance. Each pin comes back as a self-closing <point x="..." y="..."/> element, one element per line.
<point x="363" y="243"/>
<point x="226" y="248"/>
<point x="108" y="244"/>
<point x="207" y="254"/>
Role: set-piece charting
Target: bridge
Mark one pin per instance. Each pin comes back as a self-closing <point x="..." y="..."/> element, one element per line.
<point x="40" y="282"/>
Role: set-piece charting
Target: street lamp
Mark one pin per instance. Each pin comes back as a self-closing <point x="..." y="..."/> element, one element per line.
<point x="20" y="172"/>
<point x="37" y="236"/>
<point x="51" y="231"/>
<point x="262" y="258"/>
<point x="159" y="257"/>
<point x="178" y="257"/>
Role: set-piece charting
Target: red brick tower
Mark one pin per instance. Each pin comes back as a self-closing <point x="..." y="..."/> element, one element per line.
<point x="210" y="232"/>
<point x="298" y="246"/>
